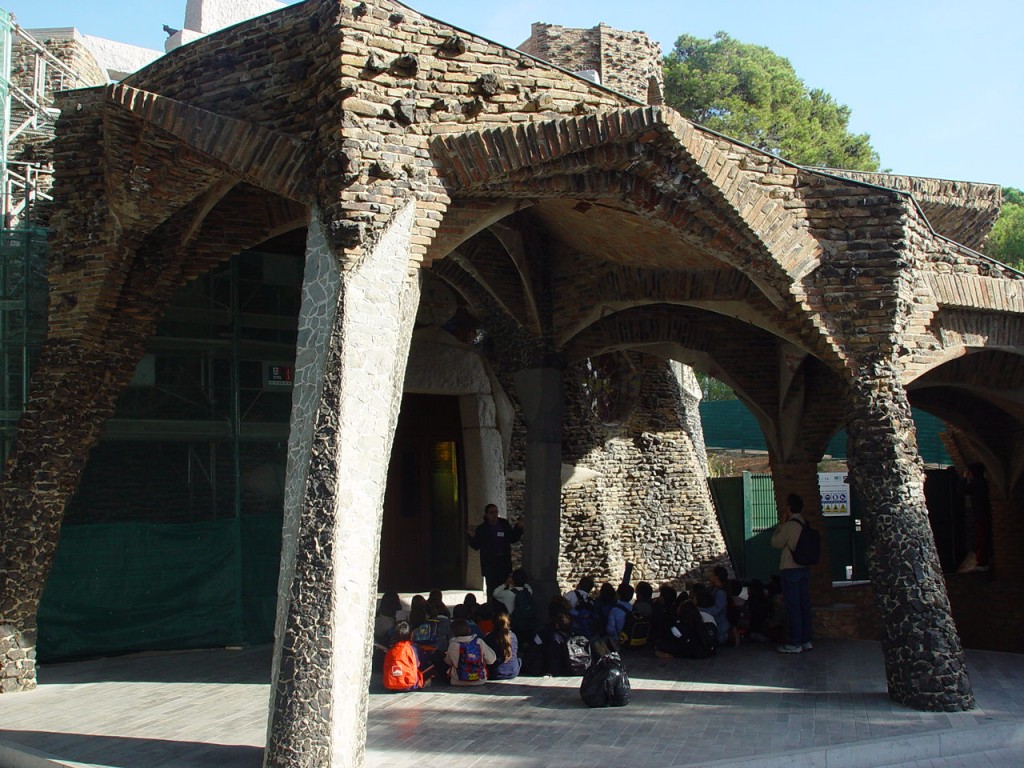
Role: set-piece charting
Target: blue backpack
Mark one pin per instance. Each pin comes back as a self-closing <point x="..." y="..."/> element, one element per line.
<point x="471" y="668"/>
<point x="426" y="634"/>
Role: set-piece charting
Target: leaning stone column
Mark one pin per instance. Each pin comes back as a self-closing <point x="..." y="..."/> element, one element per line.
<point x="355" y="328"/>
<point x="73" y="394"/>
<point x="542" y="398"/>
<point x="924" y="661"/>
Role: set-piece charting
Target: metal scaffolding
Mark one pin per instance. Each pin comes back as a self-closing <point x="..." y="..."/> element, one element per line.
<point x="29" y="76"/>
<point x="23" y="293"/>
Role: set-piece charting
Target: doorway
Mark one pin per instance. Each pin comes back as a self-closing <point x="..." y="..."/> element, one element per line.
<point x="423" y="540"/>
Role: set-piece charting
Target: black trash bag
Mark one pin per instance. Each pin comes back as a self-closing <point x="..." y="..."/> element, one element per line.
<point x="605" y="684"/>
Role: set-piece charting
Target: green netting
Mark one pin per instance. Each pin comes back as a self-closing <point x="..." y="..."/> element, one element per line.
<point x="729" y="424"/>
<point x="126" y="587"/>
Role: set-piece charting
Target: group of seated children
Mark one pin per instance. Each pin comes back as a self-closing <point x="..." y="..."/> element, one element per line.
<point x="721" y="612"/>
<point x="472" y="643"/>
<point x="504" y="637"/>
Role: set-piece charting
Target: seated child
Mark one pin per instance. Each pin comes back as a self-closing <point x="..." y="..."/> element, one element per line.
<point x="436" y="601"/>
<point x="402" y="662"/>
<point x="485" y="617"/>
<point x="459" y="612"/>
<point x="468" y="656"/>
<point x="386" y="618"/>
<point x="694" y="635"/>
<point x="548" y="652"/>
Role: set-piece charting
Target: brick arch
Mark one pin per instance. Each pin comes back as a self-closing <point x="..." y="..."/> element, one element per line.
<point x="604" y="289"/>
<point x="649" y="142"/>
<point x="664" y="169"/>
<point x="697" y="336"/>
<point x="983" y="371"/>
<point x="957" y="332"/>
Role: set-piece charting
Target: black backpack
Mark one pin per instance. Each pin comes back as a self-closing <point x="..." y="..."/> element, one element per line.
<point x="808" y="546"/>
<point x="708" y="638"/>
<point x="605" y="684"/>
<point x="635" y="631"/>
<point x="524" y="615"/>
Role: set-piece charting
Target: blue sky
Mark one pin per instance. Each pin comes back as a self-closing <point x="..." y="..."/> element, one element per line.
<point x="938" y="84"/>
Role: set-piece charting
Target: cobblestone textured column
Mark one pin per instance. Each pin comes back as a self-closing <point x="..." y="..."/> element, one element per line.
<point x="74" y="391"/>
<point x="61" y="423"/>
<point x="355" y="328"/>
<point x="541" y="396"/>
<point x="924" y="661"/>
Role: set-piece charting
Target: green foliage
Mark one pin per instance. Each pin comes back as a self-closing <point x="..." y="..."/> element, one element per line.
<point x="750" y="93"/>
<point x="720" y="465"/>
<point x="712" y="389"/>
<point x="1006" y="242"/>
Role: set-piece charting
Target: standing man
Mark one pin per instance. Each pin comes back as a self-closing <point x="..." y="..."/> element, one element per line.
<point x="796" y="579"/>
<point x="494" y="538"/>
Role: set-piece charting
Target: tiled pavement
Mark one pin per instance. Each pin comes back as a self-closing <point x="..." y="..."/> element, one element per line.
<point x="749" y="707"/>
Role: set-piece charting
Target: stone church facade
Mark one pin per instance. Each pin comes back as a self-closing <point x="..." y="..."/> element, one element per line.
<point x="584" y="243"/>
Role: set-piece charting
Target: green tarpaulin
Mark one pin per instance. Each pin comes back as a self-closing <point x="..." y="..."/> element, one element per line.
<point x="124" y="587"/>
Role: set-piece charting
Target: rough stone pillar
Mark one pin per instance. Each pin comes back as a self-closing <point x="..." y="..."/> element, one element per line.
<point x="801" y="478"/>
<point x="355" y="328"/>
<point x="74" y="391"/>
<point x="542" y="399"/>
<point x="924" y="661"/>
<point x="68" y="406"/>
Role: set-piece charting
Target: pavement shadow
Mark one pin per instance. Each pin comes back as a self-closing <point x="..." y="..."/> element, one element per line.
<point x="241" y="666"/>
<point x="127" y="752"/>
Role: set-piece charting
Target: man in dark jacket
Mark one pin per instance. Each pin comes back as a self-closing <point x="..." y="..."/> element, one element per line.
<point x="494" y="538"/>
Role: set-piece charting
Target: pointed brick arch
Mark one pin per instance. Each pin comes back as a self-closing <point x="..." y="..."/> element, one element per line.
<point x="957" y="332"/>
<point x="707" y="188"/>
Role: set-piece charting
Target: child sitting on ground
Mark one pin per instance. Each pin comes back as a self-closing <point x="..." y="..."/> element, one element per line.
<point x="468" y="656"/>
<point x="402" y="662"/>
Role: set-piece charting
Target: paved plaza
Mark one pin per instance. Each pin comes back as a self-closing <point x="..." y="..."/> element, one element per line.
<point x="748" y="707"/>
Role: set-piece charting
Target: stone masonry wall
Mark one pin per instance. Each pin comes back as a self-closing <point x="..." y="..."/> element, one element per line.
<point x="639" y="493"/>
<point x="627" y="62"/>
<point x="402" y="78"/>
<point x="648" y="502"/>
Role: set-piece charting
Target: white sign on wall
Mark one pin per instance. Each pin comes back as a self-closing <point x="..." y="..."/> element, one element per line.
<point x="835" y="494"/>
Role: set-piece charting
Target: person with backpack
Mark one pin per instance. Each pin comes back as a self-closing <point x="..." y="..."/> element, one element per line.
<point x="581" y="593"/>
<point x="546" y="653"/>
<point x="618" y="616"/>
<point x="719" y="607"/>
<point x="585" y="614"/>
<point x="467" y="656"/>
<point x="402" y="670"/>
<point x="795" y="577"/>
<point x="693" y="635"/>
<point x="517" y="596"/>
